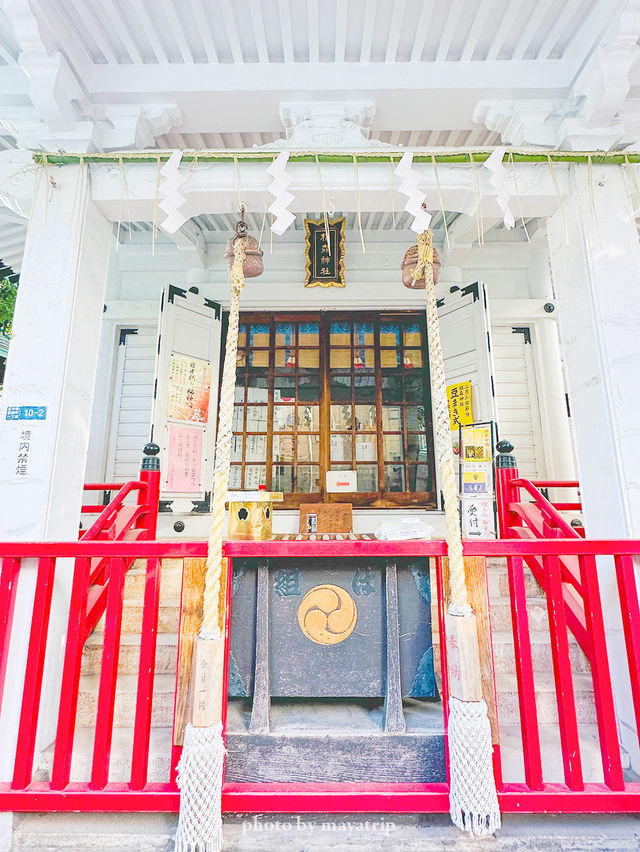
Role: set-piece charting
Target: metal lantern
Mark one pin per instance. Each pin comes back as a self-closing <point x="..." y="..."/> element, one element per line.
<point x="253" y="265"/>
<point x="409" y="264"/>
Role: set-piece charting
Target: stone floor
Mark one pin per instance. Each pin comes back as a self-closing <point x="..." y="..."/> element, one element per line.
<point x="343" y="833"/>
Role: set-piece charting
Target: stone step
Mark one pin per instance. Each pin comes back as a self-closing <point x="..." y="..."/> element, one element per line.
<point x="551" y="752"/>
<point x="125" y="706"/>
<point x="129" y="659"/>
<point x="504" y="658"/>
<point x="168" y="618"/>
<point x="120" y="763"/>
<point x="508" y="702"/>
<point x="170" y="579"/>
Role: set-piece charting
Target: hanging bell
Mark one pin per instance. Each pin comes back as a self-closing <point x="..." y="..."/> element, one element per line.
<point x="253" y="265"/>
<point x="409" y="264"/>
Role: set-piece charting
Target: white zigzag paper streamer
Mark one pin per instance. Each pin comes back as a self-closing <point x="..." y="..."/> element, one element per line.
<point x="498" y="180"/>
<point x="416" y="198"/>
<point x="172" y="200"/>
<point x="282" y="198"/>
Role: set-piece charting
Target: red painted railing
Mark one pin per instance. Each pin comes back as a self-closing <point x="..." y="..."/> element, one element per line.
<point x="95" y="792"/>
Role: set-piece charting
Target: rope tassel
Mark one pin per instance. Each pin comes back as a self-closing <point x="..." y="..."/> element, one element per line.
<point x="200" y="772"/>
<point x="473" y="801"/>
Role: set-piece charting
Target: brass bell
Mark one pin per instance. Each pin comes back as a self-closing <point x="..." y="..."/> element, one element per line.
<point x="253" y="264"/>
<point x="409" y="264"/>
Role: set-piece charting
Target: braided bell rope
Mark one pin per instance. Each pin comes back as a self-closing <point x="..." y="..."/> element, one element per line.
<point x="458" y="602"/>
<point x="212" y="610"/>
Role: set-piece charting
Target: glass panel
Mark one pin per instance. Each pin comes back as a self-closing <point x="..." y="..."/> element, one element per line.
<point x="414" y="387"/>
<point x="391" y="418"/>
<point x="256" y="448"/>
<point x="259" y="358"/>
<point x="394" y="477"/>
<point x="366" y="448"/>
<point x="364" y="359"/>
<point x="365" y="418"/>
<point x="235" y="477"/>
<point x="417" y="447"/>
<point x="238" y="395"/>
<point x="255" y="475"/>
<point x="393" y="449"/>
<point x="341" y="417"/>
<point x="283" y="418"/>
<point x="241" y="359"/>
<point x="308" y="478"/>
<point x="340" y="359"/>
<point x="309" y="388"/>
<point x="285" y="334"/>
<point x="412" y="358"/>
<point x="365" y="388"/>
<point x="283" y="448"/>
<point x="236" y="448"/>
<point x="308" y="358"/>
<point x="367" y="475"/>
<point x="256" y="418"/>
<point x="389" y="358"/>
<point x="259" y="336"/>
<point x="341" y="448"/>
<point x="340" y="387"/>
<point x="340" y="334"/>
<point x="237" y="424"/>
<point x="284" y="388"/>
<point x="391" y="389"/>
<point x="308" y="334"/>
<point x="415" y="418"/>
<point x="257" y="389"/>
<point x="308" y="418"/>
<point x="389" y="334"/>
<point x="242" y="335"/>
<point x="285" y="359"/>
<point x="411" y="335"/>
<point x="308" y="448"/>
<point x="363" y="334"/>
<point x="282" y="478"/>
<point x="419" y="477"/>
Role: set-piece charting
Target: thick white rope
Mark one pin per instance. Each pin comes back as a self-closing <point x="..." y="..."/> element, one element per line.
<point x="443" y="432"/>
<point x="473" y="802"/>
<point x="200" y="771"/>
<point x="212" y="623"/>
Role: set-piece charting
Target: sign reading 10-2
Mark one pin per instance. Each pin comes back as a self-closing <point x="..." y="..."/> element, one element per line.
<point x="26" y="412"/>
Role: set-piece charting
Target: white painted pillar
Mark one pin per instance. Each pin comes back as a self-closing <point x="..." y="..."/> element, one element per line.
<point x="52" y="366"/>
<point x="597" y="283"/>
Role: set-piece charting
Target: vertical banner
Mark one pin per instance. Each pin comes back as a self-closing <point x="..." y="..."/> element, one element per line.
<point x="477" y="494"/>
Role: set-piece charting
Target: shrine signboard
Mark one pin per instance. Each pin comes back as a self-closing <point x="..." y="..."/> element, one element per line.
<point x="324" y="250"/>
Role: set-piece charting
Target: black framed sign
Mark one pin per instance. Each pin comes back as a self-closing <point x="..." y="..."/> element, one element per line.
<point x="324" y="259"/>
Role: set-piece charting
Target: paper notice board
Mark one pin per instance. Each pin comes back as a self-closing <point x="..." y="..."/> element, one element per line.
<point x="477" y="492"/>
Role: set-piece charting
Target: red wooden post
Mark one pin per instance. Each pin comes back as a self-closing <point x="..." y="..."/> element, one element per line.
<point x="63" y="751"/>
<point x="144" y="700"/>
<point x="630" y="609"/>
<point x="108" y="676"/>
<point x="506" y="471"/>
<point x="524" y="674"/>
<point x="8" y="589"/>
<point x="565" y="698"/>
<point x="30" y="711"/>
<point x="602" y="690"/>
<point x="149" y="496"/>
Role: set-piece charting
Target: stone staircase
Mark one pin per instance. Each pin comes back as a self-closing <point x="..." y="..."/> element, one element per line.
<point x="344" y="718"/>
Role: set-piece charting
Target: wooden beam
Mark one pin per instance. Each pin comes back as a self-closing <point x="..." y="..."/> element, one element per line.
<point x="190" y="623"/>
<point x="422" y="30"/>
<point x="367" y="32"/>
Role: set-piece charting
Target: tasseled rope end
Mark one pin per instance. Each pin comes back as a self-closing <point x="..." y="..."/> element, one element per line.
<point x="200" y="781"/>
<point x="473" y="802"/>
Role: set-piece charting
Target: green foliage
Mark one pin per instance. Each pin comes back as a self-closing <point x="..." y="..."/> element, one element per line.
<point x="8" y="292"/>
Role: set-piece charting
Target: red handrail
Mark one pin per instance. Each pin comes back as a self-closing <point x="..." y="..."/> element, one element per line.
<point x="93" y="792"/>
<point x="111" y="508"/>
<point x="545" y="506"/>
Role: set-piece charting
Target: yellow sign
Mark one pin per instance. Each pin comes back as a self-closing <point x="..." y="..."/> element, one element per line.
<point x="327" y="615"/>
<point x="459" y="399"/>
<point x="476" y="443"/>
